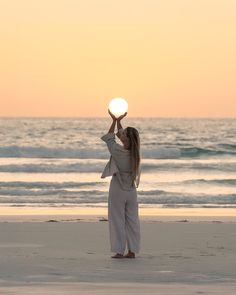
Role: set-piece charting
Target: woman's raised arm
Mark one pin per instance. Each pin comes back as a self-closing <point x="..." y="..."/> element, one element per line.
<point x="119" y="126"/>
<point x="113" y="124"/>
<point x="112" y="127"/>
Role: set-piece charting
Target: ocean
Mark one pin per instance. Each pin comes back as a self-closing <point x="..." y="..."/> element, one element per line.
<point x="58" y="162"/>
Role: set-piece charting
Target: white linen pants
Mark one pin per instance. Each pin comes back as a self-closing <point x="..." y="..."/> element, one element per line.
<point x="124" y="225"/>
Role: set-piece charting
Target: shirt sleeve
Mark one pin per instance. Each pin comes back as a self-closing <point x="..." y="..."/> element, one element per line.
<point x="109" y="138"/>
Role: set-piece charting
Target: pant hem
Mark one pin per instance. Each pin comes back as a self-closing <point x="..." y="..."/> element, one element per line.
<point x="117" y="251"/>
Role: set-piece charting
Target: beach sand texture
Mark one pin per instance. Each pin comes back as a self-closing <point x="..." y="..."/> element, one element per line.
<point x="73" y="257"/>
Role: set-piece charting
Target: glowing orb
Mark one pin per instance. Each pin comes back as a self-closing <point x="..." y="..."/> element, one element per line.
<point x="118" y="106"/>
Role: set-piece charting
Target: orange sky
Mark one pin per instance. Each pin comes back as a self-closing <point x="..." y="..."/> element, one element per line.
<point x="70" y="57"/>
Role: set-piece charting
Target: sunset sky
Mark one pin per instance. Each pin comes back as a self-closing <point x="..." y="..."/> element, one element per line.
<point x="169" y="58"/>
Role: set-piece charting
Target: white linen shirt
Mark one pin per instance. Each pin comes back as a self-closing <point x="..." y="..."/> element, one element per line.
<point x="119" y="162"/>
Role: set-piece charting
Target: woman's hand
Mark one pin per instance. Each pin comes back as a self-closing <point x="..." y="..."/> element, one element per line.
<point x="121" y="117"/>
<point x="113" y="116"/>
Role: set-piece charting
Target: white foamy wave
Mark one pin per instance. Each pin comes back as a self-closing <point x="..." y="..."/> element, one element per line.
<point x="45" y="184"/>
<point x="62" y="197"/>
<point x="161" y="153"/>
<point x="97" y="166"/>
<point x="230" y="182"/>
<point x="102" y="153"/>
<point x="47" y="192"/>
<point x="45" y="152"/>
<point x="56" y="168"/>
<point x="184" y="198"/>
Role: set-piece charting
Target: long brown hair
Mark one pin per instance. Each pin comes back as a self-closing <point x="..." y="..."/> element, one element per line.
<point x="134" y="146"/>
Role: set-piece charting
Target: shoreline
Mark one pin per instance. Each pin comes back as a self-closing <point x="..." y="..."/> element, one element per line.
<point x="36" y="214"/>
<point x="92" y="288"/>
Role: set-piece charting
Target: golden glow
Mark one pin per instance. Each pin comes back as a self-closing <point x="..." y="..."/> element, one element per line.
<point x="118" y="106"/>
<point x="167" y="58"/>
<point x="20" y="212"/>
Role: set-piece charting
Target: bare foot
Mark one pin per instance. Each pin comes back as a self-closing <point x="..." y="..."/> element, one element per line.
<point x="130" y="255"/>
<point x="118" y="256"/>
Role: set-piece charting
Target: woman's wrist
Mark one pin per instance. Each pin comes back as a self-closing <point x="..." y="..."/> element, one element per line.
<point x="112" y="127"/>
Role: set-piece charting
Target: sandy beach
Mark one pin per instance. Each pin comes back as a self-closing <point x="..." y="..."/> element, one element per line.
<point x="65" y="253"/>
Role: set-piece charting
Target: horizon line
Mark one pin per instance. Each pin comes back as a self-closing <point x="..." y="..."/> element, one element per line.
<point x="107" y="117"/>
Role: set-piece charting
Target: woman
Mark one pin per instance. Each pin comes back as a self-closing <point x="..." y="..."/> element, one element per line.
<point x="124" y="167"/>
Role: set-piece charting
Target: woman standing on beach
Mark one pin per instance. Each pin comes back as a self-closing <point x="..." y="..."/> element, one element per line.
<point x="124" y="167"/>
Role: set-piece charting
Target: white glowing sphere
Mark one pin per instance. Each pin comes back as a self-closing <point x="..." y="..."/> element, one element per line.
<point x="118" y="106"/>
